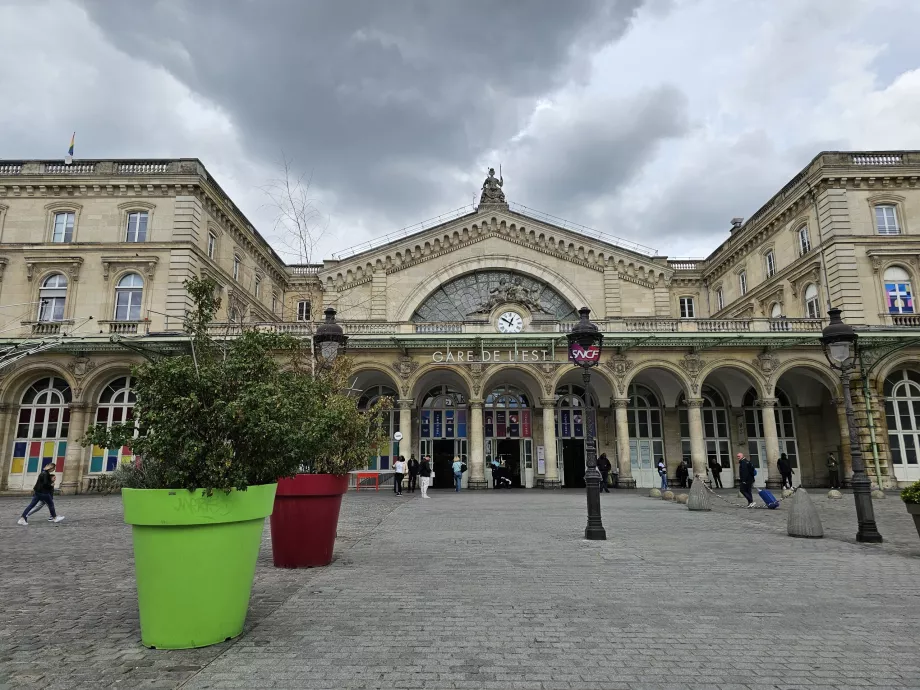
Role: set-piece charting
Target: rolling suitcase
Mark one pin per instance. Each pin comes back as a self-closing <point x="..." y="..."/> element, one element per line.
<point x="768" y="498"/>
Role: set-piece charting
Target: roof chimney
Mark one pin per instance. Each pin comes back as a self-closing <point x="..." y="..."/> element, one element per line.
<point x="736" y="224"/>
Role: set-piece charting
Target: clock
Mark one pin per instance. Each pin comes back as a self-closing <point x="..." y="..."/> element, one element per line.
<point x="510" y="322"/>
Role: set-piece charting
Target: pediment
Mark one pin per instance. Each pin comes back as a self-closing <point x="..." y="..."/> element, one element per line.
<point x="515" y="229"/>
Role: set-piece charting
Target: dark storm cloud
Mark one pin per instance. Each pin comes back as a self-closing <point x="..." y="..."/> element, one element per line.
<point x="385" y="100"/>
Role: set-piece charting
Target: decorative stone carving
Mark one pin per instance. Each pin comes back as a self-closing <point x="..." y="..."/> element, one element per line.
<point x="492" y="189"/>
<point x="766" y="402"/>
<point x="513" y="291"/>
<point x="876" y="263"/>
<point x="404" y="366"/>
<point x="549" y="368"/>
<point x="145" y="264"/>
<point x="695" y="402"/>
<point x="692" y="364"/>
<point x="766" y="362"/>
<point x="80" y="367"/>
<point x="620" y="366"/>
<point x="68" y="264"/>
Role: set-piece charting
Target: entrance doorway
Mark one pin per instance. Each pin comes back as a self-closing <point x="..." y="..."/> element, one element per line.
<point x="442" y="460"/>
<point x="573" y="463"/>
<point x="508" y="452"/>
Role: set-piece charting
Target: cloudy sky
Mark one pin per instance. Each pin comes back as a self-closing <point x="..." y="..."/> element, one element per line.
<point x="652" y="120"/>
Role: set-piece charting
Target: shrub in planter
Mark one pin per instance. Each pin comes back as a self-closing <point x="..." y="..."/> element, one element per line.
<point x="911" y="498"/>
<point x="334" y="439"/>
<point x="210" y="431"/>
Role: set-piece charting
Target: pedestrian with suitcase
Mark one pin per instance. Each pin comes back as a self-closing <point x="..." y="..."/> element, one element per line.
<point x="746" y="474"/>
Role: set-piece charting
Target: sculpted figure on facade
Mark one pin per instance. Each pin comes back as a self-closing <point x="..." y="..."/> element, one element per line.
<point x="515" y="291"/>
<point x="492" y="189"/>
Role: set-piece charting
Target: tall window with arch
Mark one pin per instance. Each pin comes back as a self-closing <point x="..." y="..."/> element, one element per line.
<point x="716" y="439"/>
<point x="385" y="454"/>
<point x="51" y="298"/>
<point x="770" y="261"/>
<point x="898" y="293"/>
<point x="507" y="422"/>
<point x="776" y="311"/>
<point x="785" y="431"/>
<point x="720" y="298"/>
<point x="116" y="406"/>
<point x="812" y="308"/>
<point x="902" y="417"/>
<point x="41" y="431"/>
<point x="646" y="440"/>
<point x="804" y="240"/>
<point x="129" y="293"/>
<point x="574" y="423"/>
<point x="742" y="282"/>
<point x="443" y="430"/>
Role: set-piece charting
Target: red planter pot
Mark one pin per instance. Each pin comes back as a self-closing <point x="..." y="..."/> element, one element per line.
<point x="305" y="519"/>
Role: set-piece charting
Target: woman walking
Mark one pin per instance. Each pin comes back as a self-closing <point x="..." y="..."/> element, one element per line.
<point x="399" y="471"/>
<point x="424" y="475"/>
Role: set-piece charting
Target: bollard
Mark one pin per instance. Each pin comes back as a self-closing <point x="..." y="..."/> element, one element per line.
<point x="682" y="498"/>
<point x="654" y="493"/>
<point x="833" y="493"/>
<point x="803" y="519"/>
<point x="667" y="496"/>
<point x="878" y="494"/>
<point x="699" y="497"/>
<point x="787" y="493"/>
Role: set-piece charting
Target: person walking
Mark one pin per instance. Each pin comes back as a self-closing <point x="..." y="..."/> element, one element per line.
<point x="715" y="467"/>
<point x="682" y="473"/>
<point x="663" y="473"/>
<point x="424" y="473"/>
<point x="785" y="469"/>
<point x="399" y="471"/>
<point x="42" y="494"/>
<point x="457" y="467"/>
<point x="603" y="466"/>
<point x="833" y="471"/>
<point x="746" y="474"/>
<point x="413" y="473"/>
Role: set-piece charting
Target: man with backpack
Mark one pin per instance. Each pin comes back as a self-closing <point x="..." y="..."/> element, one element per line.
<point x="42" y="493"/>
<point x="746" y="474"/>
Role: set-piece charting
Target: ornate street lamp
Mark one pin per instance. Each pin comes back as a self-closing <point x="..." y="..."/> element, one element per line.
<point x="585" y="342"/>
<point x="330" y="340"/>
<point x="839" y="341"/>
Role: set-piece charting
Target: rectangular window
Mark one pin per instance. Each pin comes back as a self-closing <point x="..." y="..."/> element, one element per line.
<point x="236" y="267"/>
<point x="742" y="282"/>
<point x="212" y="245"/>
<point x="771" y="263"/>
<point x="686" y="308"/>
<point x="886" y="220"/>
<point x="804" y="242"/>
<point x="137" y="227"/>
<point x="303" y="310"/>
<point x="720" y="298"/>
<point x="258" y="287"/>
<point x="274" y="303"/>
<point x="63" y="227"/>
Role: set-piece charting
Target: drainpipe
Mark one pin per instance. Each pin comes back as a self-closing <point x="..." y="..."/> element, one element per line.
<point x="871" y="419"/>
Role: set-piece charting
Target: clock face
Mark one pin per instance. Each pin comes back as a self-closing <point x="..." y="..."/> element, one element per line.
<point x="510" y="322"/>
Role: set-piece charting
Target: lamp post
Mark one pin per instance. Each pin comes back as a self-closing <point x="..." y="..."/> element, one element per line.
<point x="839" y="341"/>
<point x="585" y="342"/>
<point x="330" y="340"/>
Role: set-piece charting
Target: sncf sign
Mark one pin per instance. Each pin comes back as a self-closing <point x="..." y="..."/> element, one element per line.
<point x="584" y="355"/>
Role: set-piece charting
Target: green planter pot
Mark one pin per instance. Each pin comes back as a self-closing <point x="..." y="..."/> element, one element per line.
<point x="914" y="510"/>
<point x="195" y="559"/>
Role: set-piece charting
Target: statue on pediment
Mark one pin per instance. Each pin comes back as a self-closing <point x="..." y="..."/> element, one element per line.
<point x="492" y="189"/>
<point x="515" y="291"/>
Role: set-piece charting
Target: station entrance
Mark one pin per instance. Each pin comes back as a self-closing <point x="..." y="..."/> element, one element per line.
<point x="508" y="448"/>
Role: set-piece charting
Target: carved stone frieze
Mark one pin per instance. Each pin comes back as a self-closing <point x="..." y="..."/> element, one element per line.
<point x="620" y="366"/>
<point x="404" y="366"/>
<point x="692" y="364"/>
<point x="766" y="363"/>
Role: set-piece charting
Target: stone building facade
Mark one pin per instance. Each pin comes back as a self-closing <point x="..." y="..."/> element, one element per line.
<point x="463" y="322"/>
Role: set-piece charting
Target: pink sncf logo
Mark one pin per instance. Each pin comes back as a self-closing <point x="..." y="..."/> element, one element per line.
<point x="577" y="353"/>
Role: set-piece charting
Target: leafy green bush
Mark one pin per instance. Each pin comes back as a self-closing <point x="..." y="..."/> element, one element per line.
<point x="912" y="493"/>
<point x="243" y="411"/>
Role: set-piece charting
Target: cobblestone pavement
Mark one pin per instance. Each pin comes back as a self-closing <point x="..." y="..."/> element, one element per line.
<point x="68" y="604"/>
<point x="495" y="590"/>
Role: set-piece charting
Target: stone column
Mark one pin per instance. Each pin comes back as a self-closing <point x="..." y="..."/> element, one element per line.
<point x="626" y="480"/>
<point x="405" y="427"/>
<point x="7" y="419"/>
<point x="771" y="440"/>
<point x="845" y="459"/>
<point x="697" y="446"/>
<point x="75" y="459"/>
<point x="551" y="478"/>
<point x="477" y="463"/>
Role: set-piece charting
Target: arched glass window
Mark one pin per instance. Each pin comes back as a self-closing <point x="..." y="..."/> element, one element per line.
<point x="41" y="431"/>
<point x="812" y="310"/>
<point x="507" y="414"/>
<point x="716" y="439"/>
<point x="129" y="294"/>
<point x="643" y="416"/>
<point x="385" y="455"/>
<point x="52" y="295"/>
<point x="898" y="293"/>
<point x="902" y="416"/>
<point x="776" y="311"/>
<point x="443" y="430"/>
<point x="785" y="431"/>
<point x="116" y="406"/>
<point x="571" y="421"/>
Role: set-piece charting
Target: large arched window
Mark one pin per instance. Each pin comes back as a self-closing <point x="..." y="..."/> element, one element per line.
<point x="116" y="406"/>
<point x="52" y="295"/>
<point x="385" y="455"/>
<point x="812" y="310"/>
<point x="443" y="430"/>
<point x="898" y="293"/>
<point x="716" y="439"/>
<point x="646" y="441"/>
<point x="129" y="293"/>
<point x="902" y="415"/>
<point x="507" y="413"/>
<point x="41" y="431"/>
<point x="785" y="431"/>
<point x="571" y="413"/>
